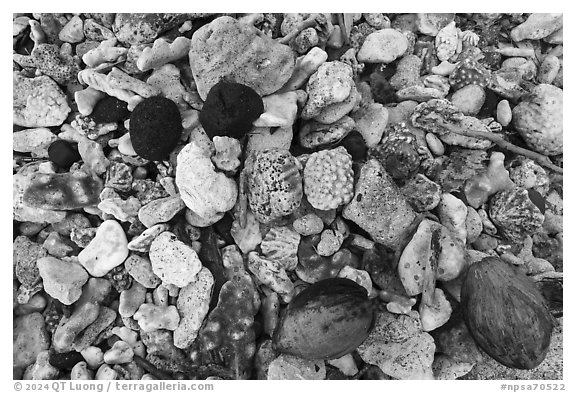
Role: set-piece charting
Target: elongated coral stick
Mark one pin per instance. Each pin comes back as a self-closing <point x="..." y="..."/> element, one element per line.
<point x="498" y="140"/>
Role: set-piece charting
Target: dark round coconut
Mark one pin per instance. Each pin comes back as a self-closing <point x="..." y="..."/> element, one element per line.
<point x="63" y="154"/>
<point x="109" y="110"/>
<point x="155" y="128"/>
<point x="230" y="109"/>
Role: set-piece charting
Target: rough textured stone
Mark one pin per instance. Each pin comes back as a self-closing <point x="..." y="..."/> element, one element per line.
<point x="399" y="348"/>
<point x="38" y="102"/>
<point x="155" y="128"/>
<point x="378" y="206"/>
<point x="173" y="261"/>
<point x="230" y="109"/>
<point x="62" y="280"/>
<point x="203" y="190"/>
<point x="136" y="28"/>
<point x="34" y="140"/>
<point x="289" y="367"/>
<point x="193" y="302"/>
<point x="226" y="48"/>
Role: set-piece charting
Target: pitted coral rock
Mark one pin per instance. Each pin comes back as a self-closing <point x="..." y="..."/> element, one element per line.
<point x="38" y="102"/>
<point x="329" y="179"/>
<point x="274" y="185"/>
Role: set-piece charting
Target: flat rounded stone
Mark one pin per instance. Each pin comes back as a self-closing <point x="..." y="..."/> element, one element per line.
<point x="383" y="46"/>
<point x="173" y="261"/>
<point x="108" y="249"/>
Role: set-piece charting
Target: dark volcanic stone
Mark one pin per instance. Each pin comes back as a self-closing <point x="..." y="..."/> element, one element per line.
<point x="66" y="360"/>
<point x="230" y="109"/>
<point x="63" y="154"/>
<point x="155" y="128"/>
<point x="355" y="145"/>
<point x="110" y="110"/>
<point x="382" y="91"/>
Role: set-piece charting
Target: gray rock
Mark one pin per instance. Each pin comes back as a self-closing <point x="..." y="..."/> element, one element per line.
<point x="378" y="207"/>
<point x="38" y="102"/>
<point x="383" y="46"/>
<point x="136" y="28"/>
<point x="331" y="84"/>
<point x="41" y="370"/>
<point x="30" y="338"/>
<point x="193" y="302"/>
<point x="287" y="367"/>
<point x="469" y="99"/>
<point x="307" y="225"/>
<point x="131" y="299"/>
<point x="140" y="268"/>
<point x="421" y="193"/>
<point x="173" y="261"/>
<point x="25" y="254"/>
<point x="89" y="335"/>
<point x="62" y="280"/>
<point x="226" y="48"/>
<point x="399" y="348"/>
<point x="160" y="210"/>
<point x="34" y="140"/>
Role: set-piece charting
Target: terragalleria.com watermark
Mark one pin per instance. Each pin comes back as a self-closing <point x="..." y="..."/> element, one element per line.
<point x="66" y="386"/>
